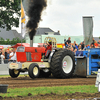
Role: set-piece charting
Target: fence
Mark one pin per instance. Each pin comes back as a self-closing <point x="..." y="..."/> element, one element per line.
<point x="4" y="70"/>
<point x="5" y="61"/>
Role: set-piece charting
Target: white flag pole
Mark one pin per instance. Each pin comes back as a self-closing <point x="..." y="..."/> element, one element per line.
<point x="23" y="21"/>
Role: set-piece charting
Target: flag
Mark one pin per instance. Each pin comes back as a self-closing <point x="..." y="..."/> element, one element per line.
<point x="88" y="29"/>
<point x="23" y="21"/>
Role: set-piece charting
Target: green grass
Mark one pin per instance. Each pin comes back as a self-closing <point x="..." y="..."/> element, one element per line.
<point x="43" y="90"/>
<point x="4" y="76"/>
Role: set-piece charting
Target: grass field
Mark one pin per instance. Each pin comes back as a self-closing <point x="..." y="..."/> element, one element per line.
<point x="44" y="90"/>
<point x="3" y="76"/>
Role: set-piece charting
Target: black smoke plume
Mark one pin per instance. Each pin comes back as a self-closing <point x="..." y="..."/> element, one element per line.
<point x="34" y="13"/>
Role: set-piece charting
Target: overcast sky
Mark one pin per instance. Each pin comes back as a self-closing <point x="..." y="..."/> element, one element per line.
<point x="66" y="16"/>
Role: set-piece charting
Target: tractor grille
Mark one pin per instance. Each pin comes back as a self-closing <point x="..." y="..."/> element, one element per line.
<point x="28" y="55"/>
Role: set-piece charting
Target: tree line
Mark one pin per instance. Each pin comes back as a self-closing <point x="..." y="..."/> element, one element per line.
<point x="11" y="42"/>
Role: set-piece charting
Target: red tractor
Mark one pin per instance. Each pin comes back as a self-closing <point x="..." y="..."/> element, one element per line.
<point x="43" y="61"/>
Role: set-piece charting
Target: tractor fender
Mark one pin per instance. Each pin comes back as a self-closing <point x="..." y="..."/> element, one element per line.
<point x="51" y="54"/>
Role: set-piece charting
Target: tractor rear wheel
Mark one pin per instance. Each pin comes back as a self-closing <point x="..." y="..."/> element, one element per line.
<point x="14" y="73"/>
<point x="45" y="73"/>
<point x="63" y="64"/>
<point x="34" y="71"/>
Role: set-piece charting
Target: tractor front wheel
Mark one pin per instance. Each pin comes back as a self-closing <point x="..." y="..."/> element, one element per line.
<point x="34" y="71"/>
<point x="14" y="73"/>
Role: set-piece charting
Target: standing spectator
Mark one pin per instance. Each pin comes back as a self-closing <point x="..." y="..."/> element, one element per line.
<point x="67" y="43"/>
<point x="75" y="42"/>
<point x="11" y="52"/>
<point x="99" y="42"/>
<point x="82" y="46"/>
<point x="76" y="45"/>
<point x="92" y="46"/>
<point x="2" y="57"/>
<point x="7" y="59"/>
<point x="0" y="52"/>
<point x="75" y="51"/>
<point x="5" y="53"/>
<point x="8" y="52"/>
<point x="96" y="44"/>
<point x="73" y="45"/>
<point x="13" y="55"/>
<point x="93" y="42"/>
<point x="8" y="48"/>
<point x="79" y="48"/>
<point x="69" y="40"/>
<point x="72" y="49"/>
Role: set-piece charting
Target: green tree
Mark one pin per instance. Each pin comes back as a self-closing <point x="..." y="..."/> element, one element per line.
<point x="23" y="41"/>
<point x="9" y="13"/>
<point x="7" y="41"/>
<point x="11" y="42"/>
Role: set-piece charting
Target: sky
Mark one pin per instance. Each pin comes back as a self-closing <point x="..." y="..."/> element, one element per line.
<point x="66" y="16"/>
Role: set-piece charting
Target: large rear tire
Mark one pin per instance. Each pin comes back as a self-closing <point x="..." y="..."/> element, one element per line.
<point x="14" y="73"/>
<point x="63" y="64"/>
<point x="34" y="71"/>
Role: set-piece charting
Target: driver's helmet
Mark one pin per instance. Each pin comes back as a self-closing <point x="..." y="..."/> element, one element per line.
<point x="50" y="42"/>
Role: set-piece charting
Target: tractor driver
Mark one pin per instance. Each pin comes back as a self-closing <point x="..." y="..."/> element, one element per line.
<point x="48" y="49"/>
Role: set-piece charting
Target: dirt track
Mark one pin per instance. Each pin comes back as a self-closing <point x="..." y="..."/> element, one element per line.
<point x="41" y="82"/>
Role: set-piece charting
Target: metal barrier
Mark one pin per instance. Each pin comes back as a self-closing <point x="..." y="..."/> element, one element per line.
<point x="5" y="61"/>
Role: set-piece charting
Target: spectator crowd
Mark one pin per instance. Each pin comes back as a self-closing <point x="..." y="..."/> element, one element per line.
<point x="7" y="55"/>
<point x="80" y="47"/>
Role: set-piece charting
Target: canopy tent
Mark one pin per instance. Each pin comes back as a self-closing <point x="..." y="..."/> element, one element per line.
<point x="34" y="45"/>
<point x="27" y="45"/>
<point x="1" y="47"/>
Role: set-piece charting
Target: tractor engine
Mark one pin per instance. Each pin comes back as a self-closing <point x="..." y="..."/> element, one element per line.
<point x="29" y="54"/>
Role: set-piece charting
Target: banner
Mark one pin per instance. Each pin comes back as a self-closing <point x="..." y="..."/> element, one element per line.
<point x="23" y="21"/>
<point x="88" y="30"/>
